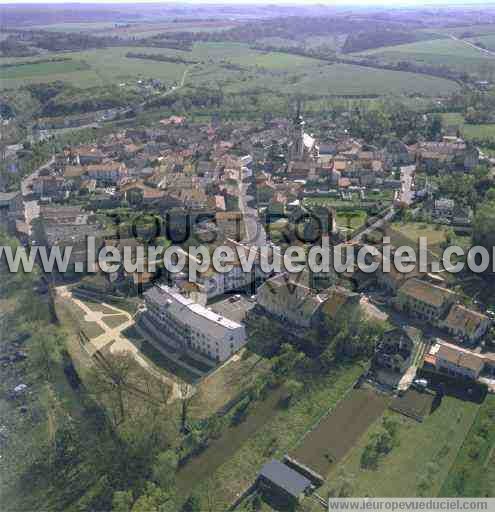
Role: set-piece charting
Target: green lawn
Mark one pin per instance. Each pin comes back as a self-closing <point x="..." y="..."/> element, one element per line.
<point x="101" y="308"/>
<point x="403" y="233"/>
<point x="114" y="320"/>
<point x="355" y="202"/>
<point x="452" y="119"/>
<point x="473" y="472"/>
<point x="478" y="131"/>
<point x="351" y="220"/>
<point x="420" y="462"/>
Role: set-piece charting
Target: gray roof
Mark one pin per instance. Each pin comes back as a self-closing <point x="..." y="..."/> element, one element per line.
<point x="285" y="478"/>
<point x="186" y="311"/>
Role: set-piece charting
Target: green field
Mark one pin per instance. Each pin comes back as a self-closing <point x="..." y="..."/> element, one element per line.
<point x="437" y="52"/>
<point x="488" y="41"/>
<point x="75" y="26"/>
<point x="42" y="68"/>
<point x="473" y="472"/>
<point x="469" y="131"/>
<point x="356" y="80"/>
<point x="475" y="30"/>
<point x="440" y="47"/>
<point x="137" y="29"/>
<point x="417" y="465"/>
<point x="271" y="72"/>
<point x="105" y="66"/>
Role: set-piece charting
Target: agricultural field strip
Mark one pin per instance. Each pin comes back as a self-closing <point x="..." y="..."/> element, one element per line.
<point x="267" y="70"/>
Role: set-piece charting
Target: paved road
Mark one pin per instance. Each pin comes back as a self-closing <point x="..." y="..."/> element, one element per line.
<point x="255" y="233"/>
<point x="27" y="182"/>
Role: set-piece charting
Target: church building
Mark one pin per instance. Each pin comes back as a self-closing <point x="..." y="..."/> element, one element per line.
<point x="303" y="150"/>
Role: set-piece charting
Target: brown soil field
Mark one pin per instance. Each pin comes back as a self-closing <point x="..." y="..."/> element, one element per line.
<point x="413" y="404"/>
<point x="336" y="433"/>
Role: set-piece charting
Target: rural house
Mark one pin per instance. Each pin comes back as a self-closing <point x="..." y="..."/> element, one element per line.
<point x="465" y="323"/>
<point x="455" y="361"/>
<point x="424" y="300"/>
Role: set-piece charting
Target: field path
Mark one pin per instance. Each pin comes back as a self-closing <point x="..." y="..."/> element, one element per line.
<point x="472" y="45"/>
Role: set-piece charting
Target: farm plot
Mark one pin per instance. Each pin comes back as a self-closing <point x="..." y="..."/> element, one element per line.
<point x="220" y="450"/>
<point x="418" y="463"/>
<point x="413" y="404"/>
<point x="22" y="70"/>
<point x="100" y="67"/>
<point x="236" y="66"/>
<point x="336" y="434"/>
<point x="473" y="472"/>
<point x="438" y="52"/>
<point x="349" y="79"/>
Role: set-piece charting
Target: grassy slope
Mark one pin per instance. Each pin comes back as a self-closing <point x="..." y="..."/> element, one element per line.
<point x="277" y="437"/>
<point x="45" y="68"/>
<point x="473" y="29"/>
<point x="487" y="40"/>
<point x="273" y="71"/>
<point x="425" y="452"/>
<point x="106" y="66"/>
<point x="414" y="230"/>
<point x="432" y="47"/>
<point x="473" y="472"/>
<point x="350" y="79"/>
<point x="436" y="52"/>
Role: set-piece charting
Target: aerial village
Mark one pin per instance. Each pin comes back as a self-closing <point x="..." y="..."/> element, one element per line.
<point x="247" y="184"/>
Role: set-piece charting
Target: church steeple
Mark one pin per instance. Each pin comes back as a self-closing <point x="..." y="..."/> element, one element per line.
<point x="298" y="119"/>
<point x="297" y="148"/>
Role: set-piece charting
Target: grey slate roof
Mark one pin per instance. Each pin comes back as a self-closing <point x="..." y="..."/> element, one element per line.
<point x="284" y="477"/>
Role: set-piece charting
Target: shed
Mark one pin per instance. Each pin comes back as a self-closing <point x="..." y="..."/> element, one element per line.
<point x="275" y="474"/>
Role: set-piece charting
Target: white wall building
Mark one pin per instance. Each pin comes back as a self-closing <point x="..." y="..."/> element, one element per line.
<point x="191" y="326"/>
<point x="456" y="361"/>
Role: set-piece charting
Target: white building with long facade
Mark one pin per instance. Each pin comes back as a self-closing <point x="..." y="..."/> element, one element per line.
<point x="189" y="326"/>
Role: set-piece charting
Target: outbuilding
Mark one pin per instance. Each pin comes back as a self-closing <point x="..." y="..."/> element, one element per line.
<point x="277" y="478"/>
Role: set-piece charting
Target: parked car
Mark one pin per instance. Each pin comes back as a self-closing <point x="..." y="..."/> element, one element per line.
<point x="420" y="384"/>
